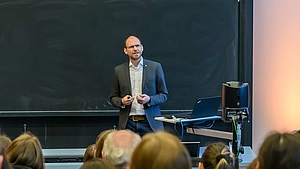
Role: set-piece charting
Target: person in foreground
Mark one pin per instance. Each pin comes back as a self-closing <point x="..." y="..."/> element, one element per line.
<point x="4" y="164"/>
<point x="217" y="156"/>
<point x="89" y="153"/>
<point x="160" y="150"/>
<point x="118" y="147"/>
<point x="97" y="163"/>
<point x="25" y="152"/>
<point x="5" y="140"/>
<point x="278" y="151"/>
<point x="138" y="88"/>
<point x="100" y="141"/>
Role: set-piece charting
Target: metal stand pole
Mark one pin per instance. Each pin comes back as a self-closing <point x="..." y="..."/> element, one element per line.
<point x="235" y="150"/>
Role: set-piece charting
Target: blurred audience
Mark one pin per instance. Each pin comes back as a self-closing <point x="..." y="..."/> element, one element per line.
<point x="278" y="151"/>
<point x="100" y="141"/>
<point x="118" y="147"/>
<point x="25" y="152"/>
<point x="89" y="153"/>
<point x="217" y="156"/>
<point x="160" y="150"/>
<point x="5" y="140"/>
<point x="4" y="164"/>
<point x="97" y="163"/>
<point x="253" y="164"/>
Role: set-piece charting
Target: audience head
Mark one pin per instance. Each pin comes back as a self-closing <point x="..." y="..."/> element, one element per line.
<point x="4" y="164"/>
<point x="97" y="163"/>
<point x="279" y="150"/>
<point x="160" y="150"/>
<point x="118" y="147"/>
<point x="100" y="141"/>
<point x="217" y="156"/>
<point x="4" y="140"/>
<point x="252" y="165"/>
<point x="89" y="153"/>
<point x="25" y="150"/>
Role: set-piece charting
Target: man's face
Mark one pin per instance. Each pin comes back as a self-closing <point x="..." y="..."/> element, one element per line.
<point x="133" y="48"/>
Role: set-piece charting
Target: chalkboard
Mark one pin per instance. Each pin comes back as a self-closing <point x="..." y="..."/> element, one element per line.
<point x="60" y="55"/>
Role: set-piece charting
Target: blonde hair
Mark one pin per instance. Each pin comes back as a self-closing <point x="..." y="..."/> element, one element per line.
<point x="217" y="156"/>
<point x="26" y="150"/>
<point x="100" y="141"/>
<point x="5" y="140"/>
<point x="89" y="153"/>
<point x="162" y="150"/>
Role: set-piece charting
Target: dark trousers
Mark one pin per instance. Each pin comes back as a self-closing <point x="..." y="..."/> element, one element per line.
<point x="141" y="127"/>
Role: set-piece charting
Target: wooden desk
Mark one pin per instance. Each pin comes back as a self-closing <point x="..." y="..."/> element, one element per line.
<point x="187" y="121"/>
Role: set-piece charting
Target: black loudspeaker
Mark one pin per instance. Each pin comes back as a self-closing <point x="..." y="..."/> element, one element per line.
<point x="235" y="101"/>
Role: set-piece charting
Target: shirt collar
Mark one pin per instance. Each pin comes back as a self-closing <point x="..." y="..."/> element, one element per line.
<point x="141" y="63"/>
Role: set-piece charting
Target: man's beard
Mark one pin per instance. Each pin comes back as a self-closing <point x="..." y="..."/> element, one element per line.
<point x="136" y="58"/>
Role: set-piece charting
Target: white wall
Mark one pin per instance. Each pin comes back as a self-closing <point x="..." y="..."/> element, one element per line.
<point x="276" y="67"/>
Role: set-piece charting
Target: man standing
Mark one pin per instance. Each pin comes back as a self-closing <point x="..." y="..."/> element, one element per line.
<point x="138" y="88"/>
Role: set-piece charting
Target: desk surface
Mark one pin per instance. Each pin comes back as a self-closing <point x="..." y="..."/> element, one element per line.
<point x="184" y="120"/>
<point x="247" y="157"/>
<point x="63" y="165"/>
<point x="59" y="153"/>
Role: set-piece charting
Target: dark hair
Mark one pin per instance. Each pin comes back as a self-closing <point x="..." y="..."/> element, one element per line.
<point x="217" y="156"/>
<point x="280" y="151"/>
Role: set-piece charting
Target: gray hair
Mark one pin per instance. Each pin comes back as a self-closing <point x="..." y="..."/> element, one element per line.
<point x="119" y="146"/>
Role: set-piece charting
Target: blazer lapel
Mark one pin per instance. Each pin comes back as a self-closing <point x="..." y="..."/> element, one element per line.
<point x="127" y="75"/>
<point x="145" y="73"/>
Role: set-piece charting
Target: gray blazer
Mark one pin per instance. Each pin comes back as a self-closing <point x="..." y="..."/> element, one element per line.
<point x="153" y="85"/>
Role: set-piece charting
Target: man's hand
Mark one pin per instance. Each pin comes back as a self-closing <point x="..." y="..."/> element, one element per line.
<point x="127" y="100"/>
<point x="143" y="98"/>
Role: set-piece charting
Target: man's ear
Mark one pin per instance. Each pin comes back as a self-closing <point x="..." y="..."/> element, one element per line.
<point x="200" y="166"/>
<point x="125" y="50"/>
<point x="103" y="154"/>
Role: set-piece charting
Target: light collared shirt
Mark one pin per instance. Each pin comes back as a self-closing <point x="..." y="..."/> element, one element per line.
<point x="136" y="77"/>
